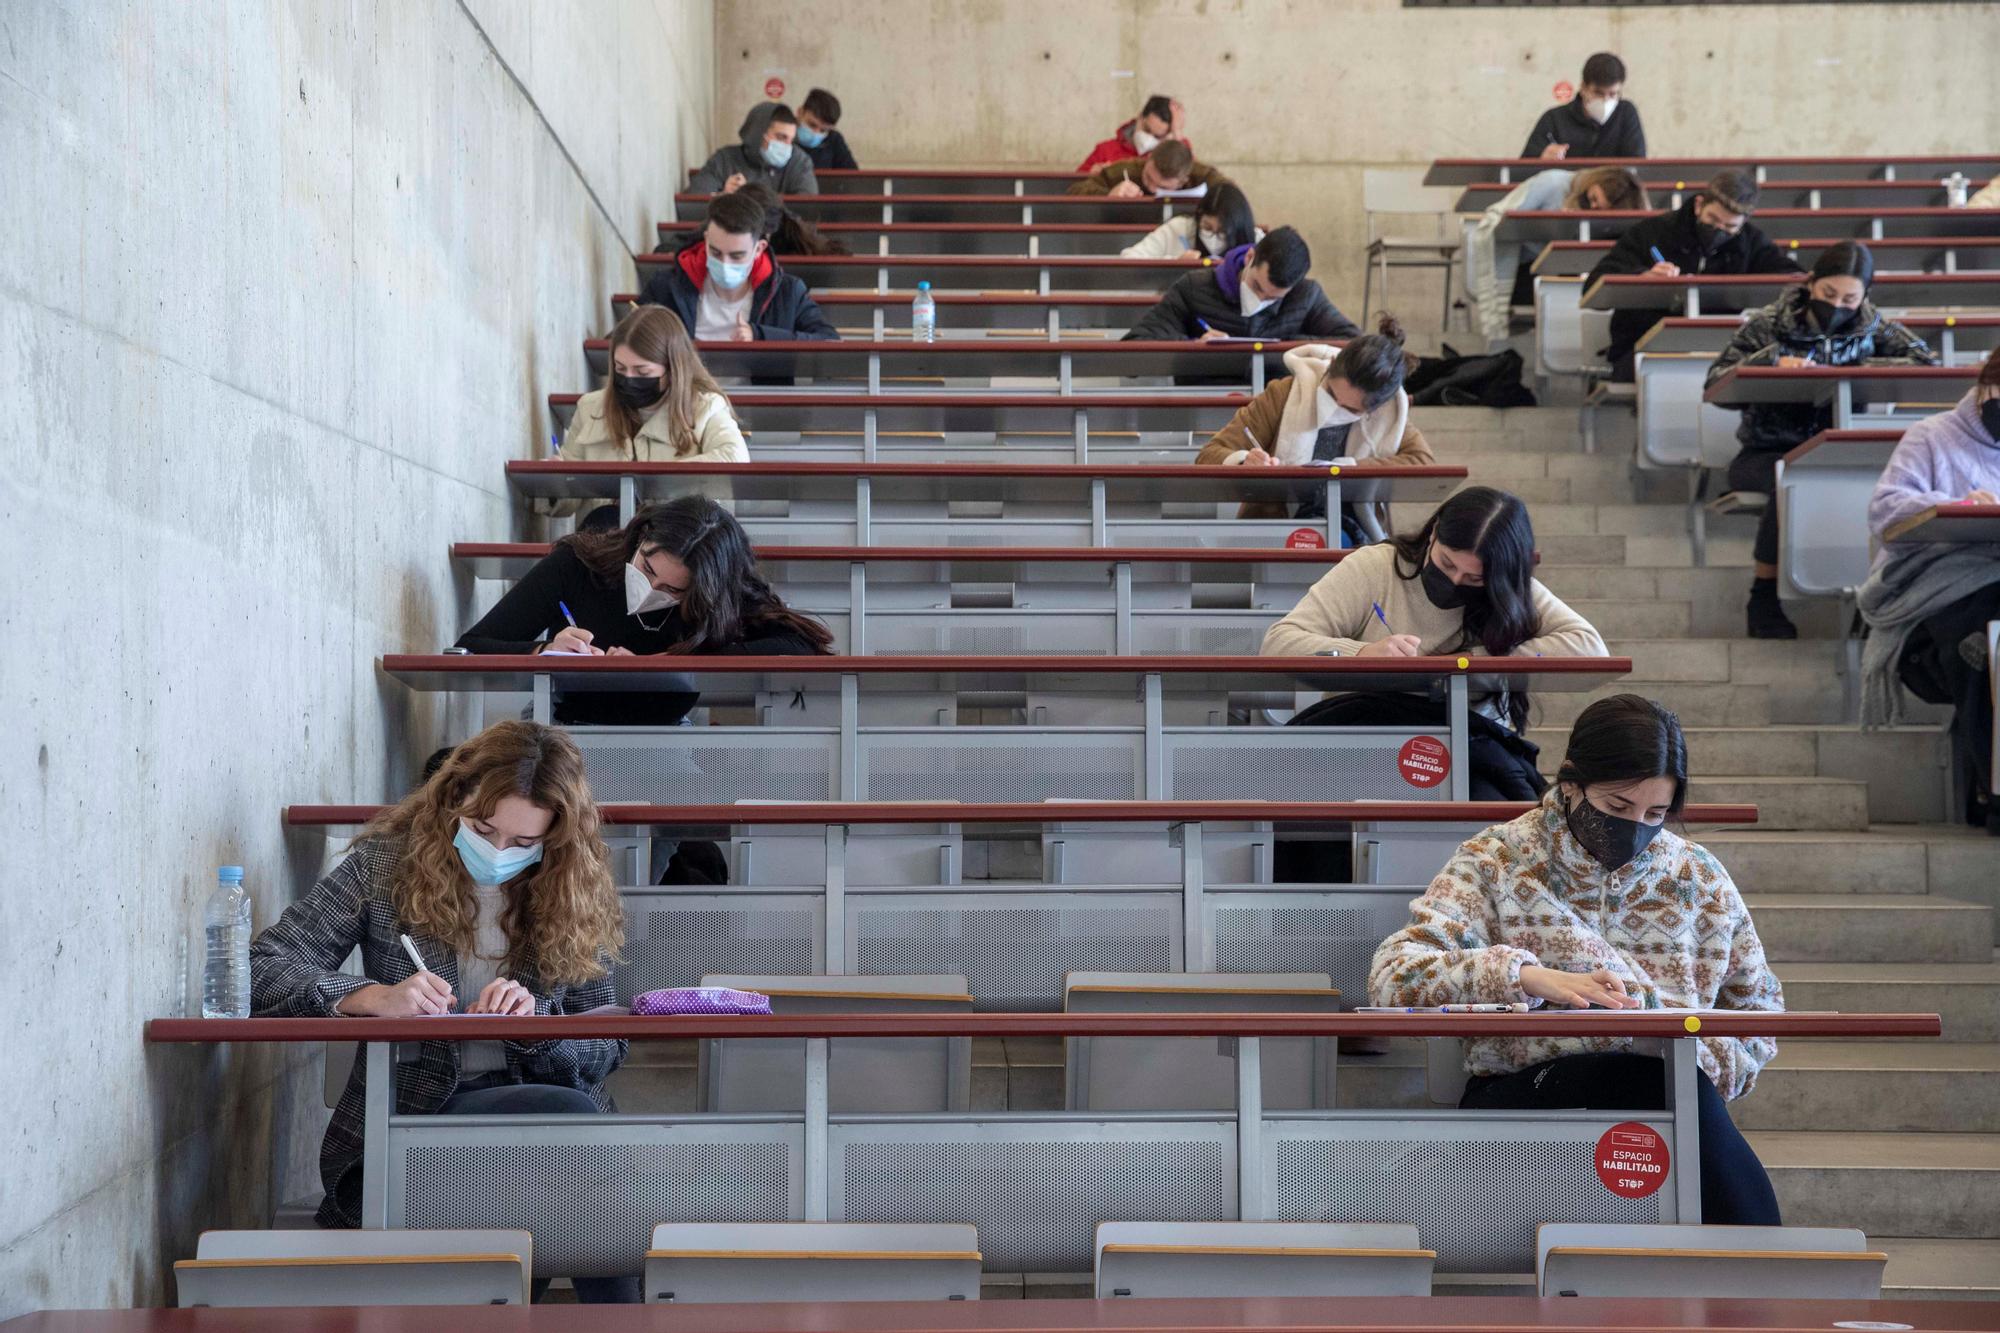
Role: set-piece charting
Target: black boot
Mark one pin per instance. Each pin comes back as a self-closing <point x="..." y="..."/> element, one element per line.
<point x="1766" y="615"/>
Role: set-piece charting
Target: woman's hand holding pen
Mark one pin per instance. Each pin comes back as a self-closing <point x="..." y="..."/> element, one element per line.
<point x="1577" y="990"/>
<point x="1396" y="645"/>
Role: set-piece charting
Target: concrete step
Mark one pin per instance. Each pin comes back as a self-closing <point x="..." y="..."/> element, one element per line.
<point x="1944" y="1186"/>
<point x="1939" y="1270"/>
<point x="1923" y="1086"/>
<point x="1871" y="928"/>
<point x="1965" y="995"/>
<point x="1786" y="803"/>
<point x="1948" y="860"/>
<point x="1636" y="619"/>
<point x="1715" y="594"/>
<point x="1576" y="549"/>
<point x="1699" y="704"/>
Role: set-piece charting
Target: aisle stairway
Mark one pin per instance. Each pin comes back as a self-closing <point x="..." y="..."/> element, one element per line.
<point x="1865" y="898"/>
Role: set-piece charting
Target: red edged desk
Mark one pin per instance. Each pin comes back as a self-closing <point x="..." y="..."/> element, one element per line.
<point x="1899" y="254"/>
<point x="869" y="363"/>
<point x="1952" y="335"/>
<point x="1693" y="172"/>
<point x="1078" y="504"/>
<point x="827" y="209"/>
<point x="1530" y="227"/>
<point x="1016" y="315"/>
<point x="1117" y="728"/>
<point x="1891" y="291"/>
<point x="1844" y="387"/>
<point x="1475" y="1183"/>
<point x="980" y="564"/>
<point x="991" y="415"/>
<point x="912" y="239"/>
<point x="1950" y="523"/>
<point x="1803" y="193"/>
<point x="1351" y="1314"/>
<point x="1005" y="272"/>
<point x="943" y="180"/>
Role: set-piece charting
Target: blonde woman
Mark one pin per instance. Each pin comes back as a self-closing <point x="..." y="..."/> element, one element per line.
<point x="1490" y="268"/>
<point x="495" y="870"/>
<point x="659" y="406"/>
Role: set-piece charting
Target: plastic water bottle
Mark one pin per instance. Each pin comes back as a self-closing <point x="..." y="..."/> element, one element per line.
<point x="225" y="973"/>
<point x="923" y="315"/>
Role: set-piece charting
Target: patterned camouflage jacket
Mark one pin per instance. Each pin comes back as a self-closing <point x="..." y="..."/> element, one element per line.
<point x="1525" y="893"/>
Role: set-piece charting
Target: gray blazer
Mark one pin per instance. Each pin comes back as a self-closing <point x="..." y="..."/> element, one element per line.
<point x="292" y="975"/>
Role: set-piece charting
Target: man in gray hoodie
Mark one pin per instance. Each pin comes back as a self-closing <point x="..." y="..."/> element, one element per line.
<point x="766" y="155"/>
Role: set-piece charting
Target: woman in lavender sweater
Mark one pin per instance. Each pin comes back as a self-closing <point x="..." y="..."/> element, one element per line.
<point x="1928" y="604"/>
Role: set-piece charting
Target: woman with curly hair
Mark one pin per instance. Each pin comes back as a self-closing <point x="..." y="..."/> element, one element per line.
<point x="495" y="870"/>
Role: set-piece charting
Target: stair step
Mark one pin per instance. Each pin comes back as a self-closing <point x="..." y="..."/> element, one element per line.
<point x="1965" y="995"/>
<point x="1925" y="1086"/>
<point x="1882" y="859"/>
<point x="1701" y="703"/>
<point x="1918" y="1185"/>
<point x="1871" y="928"/>
<point x="1931" y="1269"/>
<point x="1786" y="803"/>
<point x="1634" y="619"/>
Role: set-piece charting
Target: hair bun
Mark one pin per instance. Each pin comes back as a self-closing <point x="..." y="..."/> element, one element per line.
<point x="1389" y="327"/>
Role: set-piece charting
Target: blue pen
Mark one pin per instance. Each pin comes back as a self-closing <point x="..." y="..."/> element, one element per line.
<point x="564" y="608"/>
<point x="555" y="444"/>
<point x="1377" y="606"/>
<point x="1204" y="325"/>
<point x="1658" y="258"/>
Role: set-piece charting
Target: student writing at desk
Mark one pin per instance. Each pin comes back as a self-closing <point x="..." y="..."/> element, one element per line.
<point x="726" y="286"/>
<point x="494" y="872"/>
<point x="680" y="579"/>
<point x="660" y="406"/>
<point x="1221" y="222"/>
<point x="1597" y="122"/>
<point x="1927" y="605"/>
<point x="764" y="154"/>
<point x="1825" y="321"/>
<point x="1159" y="121"/>
<point x="1259" y="291"/>
<point x="1464" y="584"/>
<point x="1168" y="168"/>
<point x="1589" y="900"/>
<point x="1345" y="402"/>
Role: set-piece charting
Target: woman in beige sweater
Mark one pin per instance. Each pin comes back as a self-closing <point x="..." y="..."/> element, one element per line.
<point x="659" y="406"/>
<point x="1343" y="403"/>
<point x="1464" y="584"/>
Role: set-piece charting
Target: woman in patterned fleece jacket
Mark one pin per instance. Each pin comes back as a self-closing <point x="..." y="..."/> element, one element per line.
<point x="1589" y="900"/>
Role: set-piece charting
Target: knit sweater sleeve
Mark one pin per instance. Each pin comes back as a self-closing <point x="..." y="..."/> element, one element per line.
<point x="1749" y="985"/>
<point x="1447" y="954"/>
<point x="1330" y="617"/>
<point x="1909" y="484"/>
<point x="1560" y="632"/>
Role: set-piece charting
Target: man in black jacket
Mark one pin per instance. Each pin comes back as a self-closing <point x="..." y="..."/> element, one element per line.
<point x="1597" y="122"/>
<point x="825" y="145"/>
<point x="1259" y="291"/>
<point x="1710" y="233"/>
<point x="726" y="285"/>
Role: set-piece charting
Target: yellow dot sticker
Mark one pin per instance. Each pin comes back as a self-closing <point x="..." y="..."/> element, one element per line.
<point x="1795" y="245"/>
<point x="1680" y="185"/>
<point x="1256" y="347"/>
<point x="1464" y="662"/>
<point x="1691" y="1023"/>
<point x="1951" y="321"/>
<point x="1210" y="263"/>
<point x="1333" y="472"/>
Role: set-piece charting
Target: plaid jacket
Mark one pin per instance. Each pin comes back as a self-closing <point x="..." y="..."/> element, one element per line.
<point x="292" y="975"/>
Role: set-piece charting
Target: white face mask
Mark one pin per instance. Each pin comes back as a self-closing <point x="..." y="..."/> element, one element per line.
<point x="1211" y="241"/>
<point x="1599" y="109"/>
<point x="1336" y="415"/>
<point x="777" y="152"/>
<point x="641" y="596"/>
<point x="729" y="276"/>
<point x="1249" y="302"/>
<point x="1143" y="141"/>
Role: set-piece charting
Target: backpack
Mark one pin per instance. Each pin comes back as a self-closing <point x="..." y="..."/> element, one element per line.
<point x="1452" y="380"/>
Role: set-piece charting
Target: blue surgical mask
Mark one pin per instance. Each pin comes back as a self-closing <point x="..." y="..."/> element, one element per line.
<point x="777" y="153"/>
<point x="809" y="136"/>
<point x="486" y="863"/>
<point x="727" y="275"/>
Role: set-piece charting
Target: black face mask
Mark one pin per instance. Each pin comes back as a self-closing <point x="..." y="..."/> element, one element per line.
<point x="1444" y="594"/>
<point x="1832" y="318"/>
<point x="1611" y="841"/>
<point x="637" y="391"/>
<point x="1989" y="417"/>
<point x="1711" y="238"/>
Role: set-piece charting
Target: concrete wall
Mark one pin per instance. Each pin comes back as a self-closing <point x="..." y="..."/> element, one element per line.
<point x="282" y="285"/>
<point x="1296" y="97"/>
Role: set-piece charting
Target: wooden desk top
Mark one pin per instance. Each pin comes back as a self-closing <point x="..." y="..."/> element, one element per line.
<point x="1354" y="1314"/>
<point x="1950" y="523"/>
<point x="1816" y="384"/>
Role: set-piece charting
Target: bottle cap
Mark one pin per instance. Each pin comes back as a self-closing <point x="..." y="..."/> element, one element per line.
<point x="923" y="286"/>
<point x="229" y="874"/>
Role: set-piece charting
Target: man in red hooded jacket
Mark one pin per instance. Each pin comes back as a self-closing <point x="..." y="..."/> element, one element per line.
<point x="1159" y="120"/>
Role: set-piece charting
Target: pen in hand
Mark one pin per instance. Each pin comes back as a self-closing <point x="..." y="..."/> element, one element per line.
<point x="1376" y="607"/>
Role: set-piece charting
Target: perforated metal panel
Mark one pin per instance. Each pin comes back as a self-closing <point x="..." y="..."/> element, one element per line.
<point x="709" y="764"/>
<point x="969" y="765"/>
<point x="1306" y="764"/>
<point x="1036" y="1199"/>
<point x="673" y="939"/>
<point x="1013" y="949"/>
<point x="1335" y="933"/>
<point x="1201" y="633"/>
<point x="592" y="1195"/>
<point x="991" y="633"/>
<point x="1475" y="1189"/>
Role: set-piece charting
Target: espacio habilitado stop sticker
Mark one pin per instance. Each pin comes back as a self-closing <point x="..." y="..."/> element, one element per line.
<point x="1424" y="761"/>
<point x="1632" y="1160"/>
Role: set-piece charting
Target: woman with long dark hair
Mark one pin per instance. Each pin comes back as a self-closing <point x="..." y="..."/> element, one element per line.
<point x="495" y="873"/>
<point x="1590" y="900"/>
<point x="1221" y="222"/>
<point x="1463" y="584"/>
<point x="679" y="579"/>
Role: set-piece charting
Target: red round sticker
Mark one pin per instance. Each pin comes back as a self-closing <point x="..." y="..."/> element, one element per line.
<point x="1564" y="91"/>
<point x="1632" y="1160"/>
<point x="1423" y="761"/>
<point x="774" y="87"/>
<point x="1306" y="539"/>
